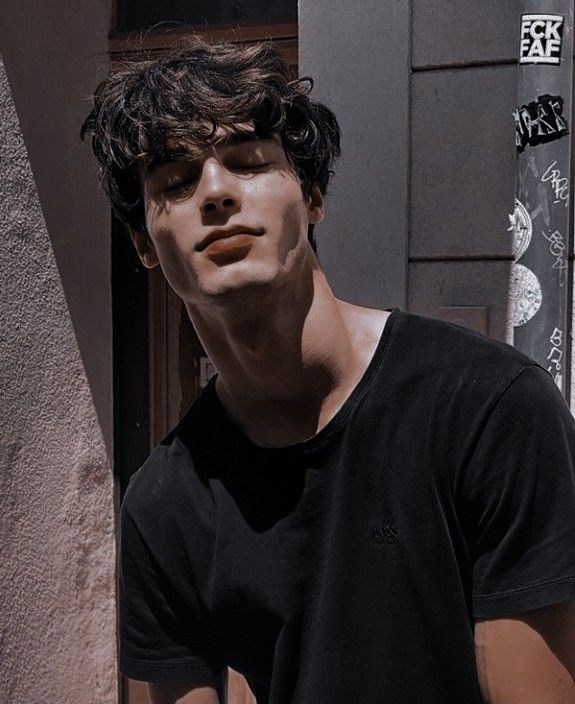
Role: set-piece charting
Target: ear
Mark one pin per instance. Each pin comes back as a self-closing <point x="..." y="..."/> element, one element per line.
<point x="145" y="248"/>
<point x="315" y="205"/>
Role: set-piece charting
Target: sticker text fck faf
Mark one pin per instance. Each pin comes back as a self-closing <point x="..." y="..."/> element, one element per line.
<point x="541" y="38"/>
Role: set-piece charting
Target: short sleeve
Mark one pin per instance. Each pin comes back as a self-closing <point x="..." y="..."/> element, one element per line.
<point x="518" y="500"/>
<point x="161" y="637"/>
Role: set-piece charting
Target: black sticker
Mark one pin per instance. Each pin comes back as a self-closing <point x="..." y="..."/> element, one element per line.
<point x="541" y="39"/>
<point x="540" y="121"/>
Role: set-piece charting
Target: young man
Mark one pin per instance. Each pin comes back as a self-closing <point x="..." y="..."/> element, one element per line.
<point x="363" y="506"/>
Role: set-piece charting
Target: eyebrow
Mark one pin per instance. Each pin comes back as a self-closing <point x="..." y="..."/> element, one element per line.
<point x="234" y="138"/>
<point x="231" y="139"/>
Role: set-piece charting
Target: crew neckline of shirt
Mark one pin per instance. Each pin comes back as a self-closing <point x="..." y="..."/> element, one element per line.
<point x="318" y="440"/>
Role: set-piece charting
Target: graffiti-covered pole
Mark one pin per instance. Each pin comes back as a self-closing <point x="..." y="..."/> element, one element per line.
<point x="540" y="222"/>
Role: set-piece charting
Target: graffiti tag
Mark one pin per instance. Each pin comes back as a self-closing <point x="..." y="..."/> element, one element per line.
<point x="558" y="250"/>
<point x="559" y="184"/>
<point x="540" y="121"/>
<point x="555" y="356"/>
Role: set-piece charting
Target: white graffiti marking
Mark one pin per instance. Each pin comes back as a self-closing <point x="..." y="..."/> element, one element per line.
<point x="542" y="210"/>
<point x="555" y="356"/>
<point x="556" y="337"/>
<point x="540" y="121"/>
<point x="559" y="184"/>
<point x="558" y="249"/>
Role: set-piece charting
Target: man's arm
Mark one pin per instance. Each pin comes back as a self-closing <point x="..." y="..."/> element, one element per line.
<point x="181" y="693"/>
<point x="528" y="658"/>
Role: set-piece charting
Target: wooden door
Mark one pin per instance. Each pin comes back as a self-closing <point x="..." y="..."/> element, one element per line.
<point x="179" y="369"/>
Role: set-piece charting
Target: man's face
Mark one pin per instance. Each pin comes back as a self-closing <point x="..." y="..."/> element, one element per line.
<point x="229" y="223"/>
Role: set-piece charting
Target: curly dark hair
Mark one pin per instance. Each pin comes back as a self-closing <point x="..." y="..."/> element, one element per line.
<point x="151" y="111"/>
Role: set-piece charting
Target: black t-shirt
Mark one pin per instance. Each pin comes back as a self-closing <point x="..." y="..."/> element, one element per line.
<point x="350" y="567"/>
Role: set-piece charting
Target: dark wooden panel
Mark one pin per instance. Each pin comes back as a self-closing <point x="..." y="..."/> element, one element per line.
<point x="462" y="162"/>
<point x="473" y="294"/>
<point x="144" y="14"/>
<point x="466" y="31"/>
<point x="129" y="46"/>
<point x="130" y="328"/>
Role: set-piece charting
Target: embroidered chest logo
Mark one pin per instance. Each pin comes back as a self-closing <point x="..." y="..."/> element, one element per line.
<point x="386" y="533"/>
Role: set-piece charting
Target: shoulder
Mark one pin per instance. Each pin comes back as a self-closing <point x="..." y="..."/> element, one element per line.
<point x="453" y="382"/>
<point x="456" y="359"/>
<point x="441" y="338"/>
<point x="170" y="467"/>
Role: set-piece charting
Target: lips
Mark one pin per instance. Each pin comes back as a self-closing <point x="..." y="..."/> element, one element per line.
<point x="226" y="233"/>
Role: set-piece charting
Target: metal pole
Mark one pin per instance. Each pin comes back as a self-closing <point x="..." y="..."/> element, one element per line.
<point x="540" y="222"/>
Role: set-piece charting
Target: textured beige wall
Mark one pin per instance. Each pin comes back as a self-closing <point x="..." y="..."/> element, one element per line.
<point x="57" y="601"/>
<point x="55" y="53"/>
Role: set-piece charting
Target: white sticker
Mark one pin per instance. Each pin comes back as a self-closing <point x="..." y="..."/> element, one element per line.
<point x="207" y="371"/>
<point x="522" y="229"/>
<point x="526" y="296"/>
<point x="541" y="39"/>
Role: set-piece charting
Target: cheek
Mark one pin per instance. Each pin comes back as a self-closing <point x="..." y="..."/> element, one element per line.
<point x="173" y="231"/>
<point x="177" y="271"/>
<point x="295" y="223"/>
<point x="283" y="202"/>
<point x="169" y="231"/>
<point x="169" y="222"/>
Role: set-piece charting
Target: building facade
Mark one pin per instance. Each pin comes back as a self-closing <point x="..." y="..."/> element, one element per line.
<point x="99" y="359"/>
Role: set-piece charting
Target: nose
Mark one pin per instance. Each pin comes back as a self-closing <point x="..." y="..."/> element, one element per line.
<point x="218" y="190"/>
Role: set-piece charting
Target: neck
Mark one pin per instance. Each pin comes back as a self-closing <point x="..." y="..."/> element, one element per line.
<point x="283" y="361"/>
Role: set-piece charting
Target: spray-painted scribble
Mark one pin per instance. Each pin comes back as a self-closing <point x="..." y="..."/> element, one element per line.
<point x="542" y="211"/>
<point x="541" y="39"/>
<point x="522" y="228"/>
<point x="555" y="356"/>
<point x="525" y="292"/>
<point x="558" y="250"/>
<point x="556" y="338"/>
<point x="559" y="184"/>
<point x="539" y="122"/>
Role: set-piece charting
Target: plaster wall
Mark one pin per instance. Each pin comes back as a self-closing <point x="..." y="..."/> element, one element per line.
<point x="55" y="53"/>
<point x="57" y="604"/>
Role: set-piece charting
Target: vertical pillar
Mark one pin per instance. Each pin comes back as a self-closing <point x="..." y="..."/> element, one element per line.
<point x="540" y="223"/>
<point x="359" y="57"/>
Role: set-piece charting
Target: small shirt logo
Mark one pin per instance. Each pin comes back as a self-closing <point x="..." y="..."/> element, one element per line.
<point x="541" y="39"/>
<point x="385" y="533"/>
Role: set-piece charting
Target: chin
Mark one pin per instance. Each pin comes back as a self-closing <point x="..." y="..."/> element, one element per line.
<point x="241" y="280"/>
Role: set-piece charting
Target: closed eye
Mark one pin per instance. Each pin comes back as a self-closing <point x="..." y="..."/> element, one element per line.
<point x="180" y="186"/>
<point x="245" y="167"/>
